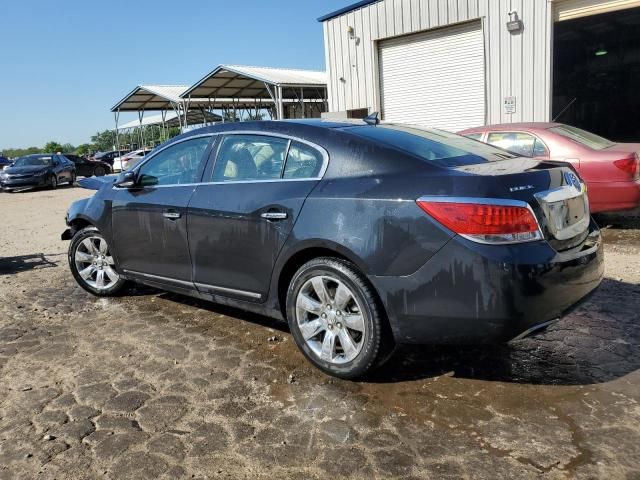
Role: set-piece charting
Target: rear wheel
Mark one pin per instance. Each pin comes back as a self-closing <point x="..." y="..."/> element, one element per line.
<point x="335" y="317"/>
<point x="92" y="263"/>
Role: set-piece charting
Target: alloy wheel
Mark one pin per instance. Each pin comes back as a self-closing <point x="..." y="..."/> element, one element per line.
<point x="95" y="263"/>
<point x="330" y="319"/>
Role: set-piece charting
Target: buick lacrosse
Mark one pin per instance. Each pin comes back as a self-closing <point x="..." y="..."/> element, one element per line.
<point x="361" y="236"/>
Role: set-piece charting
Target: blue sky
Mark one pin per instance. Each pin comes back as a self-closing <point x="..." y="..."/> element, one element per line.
<point x="64" y="64"/>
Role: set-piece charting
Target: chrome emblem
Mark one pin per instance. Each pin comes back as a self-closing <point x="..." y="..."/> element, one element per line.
<point x="520" y="188"/>
<point x="571" y="178"/>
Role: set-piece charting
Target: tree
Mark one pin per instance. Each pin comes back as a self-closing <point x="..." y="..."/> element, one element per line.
<point x="52" y="147"/>
<point x="84" y="149"/>
<point x="68" y="148"/>
<point x="104" y="141"/>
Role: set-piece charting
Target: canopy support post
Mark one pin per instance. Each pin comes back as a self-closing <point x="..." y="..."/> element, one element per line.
<point x="117" y="117"/>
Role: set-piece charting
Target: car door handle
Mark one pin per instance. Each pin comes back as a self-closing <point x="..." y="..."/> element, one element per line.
<point x="274" y="215"/>
<point x="171" y="214"/>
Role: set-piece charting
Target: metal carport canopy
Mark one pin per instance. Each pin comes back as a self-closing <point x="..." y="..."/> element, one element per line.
<point x="194" y="117"/>
<point x="151" y="97"/>
<point x="260" y="83"/>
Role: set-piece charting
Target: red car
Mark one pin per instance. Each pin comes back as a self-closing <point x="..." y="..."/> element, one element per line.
<point x="611" y="170"/>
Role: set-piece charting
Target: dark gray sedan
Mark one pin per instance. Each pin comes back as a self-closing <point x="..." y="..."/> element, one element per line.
<point x="38" y="170"/>
<point x="360" y="236"/>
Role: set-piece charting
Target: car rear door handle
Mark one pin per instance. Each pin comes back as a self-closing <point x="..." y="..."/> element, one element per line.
<point x="274" y="215"/>
<point x="171" y="214"/>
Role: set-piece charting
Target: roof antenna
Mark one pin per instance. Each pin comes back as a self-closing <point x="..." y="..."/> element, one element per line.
<point x="372" y="119"/>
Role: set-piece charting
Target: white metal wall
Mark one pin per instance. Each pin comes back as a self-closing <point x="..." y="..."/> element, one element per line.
<point x="516" y="65"/>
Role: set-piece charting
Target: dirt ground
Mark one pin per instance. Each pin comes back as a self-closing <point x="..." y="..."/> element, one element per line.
<point x="155" y="385"/>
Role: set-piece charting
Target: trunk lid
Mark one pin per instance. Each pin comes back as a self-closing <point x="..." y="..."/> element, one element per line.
<point x="553" y="190"/>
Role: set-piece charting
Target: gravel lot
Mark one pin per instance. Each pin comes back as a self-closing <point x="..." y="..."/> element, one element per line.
<point x="156" y="385"/>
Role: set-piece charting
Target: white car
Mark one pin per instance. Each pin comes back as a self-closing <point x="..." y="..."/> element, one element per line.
<point x="120" y="164"/>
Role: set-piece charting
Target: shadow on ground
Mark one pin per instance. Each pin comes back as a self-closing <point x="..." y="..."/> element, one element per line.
<point x="22" y="263"/>
<point x="598" y="342"/>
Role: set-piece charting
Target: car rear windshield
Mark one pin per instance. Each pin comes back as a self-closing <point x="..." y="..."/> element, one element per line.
<point x="588" y="139"/>
<point x="437" y="146"/>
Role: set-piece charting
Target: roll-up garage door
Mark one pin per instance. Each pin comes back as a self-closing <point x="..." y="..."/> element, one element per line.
<point x="570" y="9"/>
<point x="434" y="78"/>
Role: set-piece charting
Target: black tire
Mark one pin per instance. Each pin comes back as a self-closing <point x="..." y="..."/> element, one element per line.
<point x="99" y="172"/>
<point x="78" y="238"/>
<point x="375" y="322"/>
<point x="73" y="179"/>
<point x="53" y="181"/>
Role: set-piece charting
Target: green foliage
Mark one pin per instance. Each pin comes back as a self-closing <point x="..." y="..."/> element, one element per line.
<point x="20" y="152"/>
<point x="52" y="147"/>
<point x="103" y="141"/>
<point x="84" y="149"/>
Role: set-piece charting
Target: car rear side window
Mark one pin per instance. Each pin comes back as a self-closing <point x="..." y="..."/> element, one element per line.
<point x="303" y="161"/>
<point x="249" y="157"/>
<point x="520" y="143"/>
<point x="175" y="165"/>
<point x="433" y="146"/>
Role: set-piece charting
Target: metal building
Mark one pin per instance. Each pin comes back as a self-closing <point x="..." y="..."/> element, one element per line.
<point x="455" y="64"/>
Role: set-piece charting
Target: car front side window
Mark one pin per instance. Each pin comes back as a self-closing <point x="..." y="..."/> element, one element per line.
<point x="175" y="165"/>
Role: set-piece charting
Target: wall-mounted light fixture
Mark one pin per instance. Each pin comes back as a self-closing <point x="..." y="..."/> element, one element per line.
<point x="514" y="25"/>
<point x="352" y="35"/>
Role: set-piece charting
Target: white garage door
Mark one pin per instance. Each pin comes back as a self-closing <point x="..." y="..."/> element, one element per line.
<point x="435" y="79"/>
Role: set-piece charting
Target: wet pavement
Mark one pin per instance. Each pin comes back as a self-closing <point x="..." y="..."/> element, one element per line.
<point x="156" y="385"/>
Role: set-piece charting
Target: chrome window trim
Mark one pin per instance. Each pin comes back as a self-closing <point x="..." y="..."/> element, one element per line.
<point x="488" y="201"/>
<point x="323" y="152"/>
<point x="290" y="138"/>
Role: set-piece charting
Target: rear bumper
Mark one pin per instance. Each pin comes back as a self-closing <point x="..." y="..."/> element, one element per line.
<point x="613" y="196"/>
<point x="472" y="293"/>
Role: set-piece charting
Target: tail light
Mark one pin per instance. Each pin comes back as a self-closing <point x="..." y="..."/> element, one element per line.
<point x="630" y="166"/>
<point x="484" y="220"/>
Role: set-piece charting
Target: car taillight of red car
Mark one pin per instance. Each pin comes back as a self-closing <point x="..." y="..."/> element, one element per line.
<point x="630" y="165"/>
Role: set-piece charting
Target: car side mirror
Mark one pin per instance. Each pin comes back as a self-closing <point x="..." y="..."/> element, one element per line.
<point x="126" y="180"/>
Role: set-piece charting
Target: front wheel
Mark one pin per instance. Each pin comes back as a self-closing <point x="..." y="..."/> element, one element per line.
<point x="335" y="317"/>
<point x="92" y="263"/>
<point x="99" y="172"/>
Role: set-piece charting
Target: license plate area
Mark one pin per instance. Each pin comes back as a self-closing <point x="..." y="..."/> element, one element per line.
<point x="566" y="210"/>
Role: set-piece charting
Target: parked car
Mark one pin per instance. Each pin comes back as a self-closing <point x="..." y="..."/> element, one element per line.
<point x="611" y="170"/>
<point x="361" y="236"/>
<point x="38" y="170"/>
<point x="4" y="162"/>
<point x="89" y="168"/>
<point x="108" y="157"/>
<point x="120" y="164"/>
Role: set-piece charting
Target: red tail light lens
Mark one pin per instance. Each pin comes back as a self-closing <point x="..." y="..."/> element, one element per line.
<point x="629" y="165"/>
<point x="483" y="221"/>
